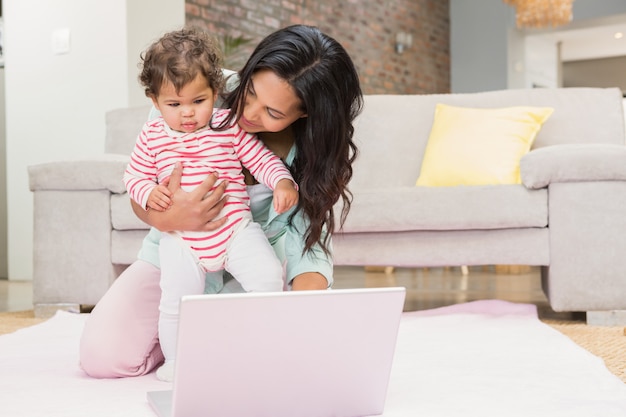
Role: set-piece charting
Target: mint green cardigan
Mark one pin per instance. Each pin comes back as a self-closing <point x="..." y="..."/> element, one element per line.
<point x="286" y="239"/>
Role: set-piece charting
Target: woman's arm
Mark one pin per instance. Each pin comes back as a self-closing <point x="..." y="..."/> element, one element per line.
<point x="309" y="281"/>
<point x="305" y="270"/>
<point x="194" y="210"/>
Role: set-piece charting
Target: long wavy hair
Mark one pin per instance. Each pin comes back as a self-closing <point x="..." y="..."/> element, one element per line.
<point x="324" y="78"/>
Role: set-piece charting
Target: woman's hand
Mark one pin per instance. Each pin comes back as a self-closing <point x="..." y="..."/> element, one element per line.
<point x="195" y="210"/>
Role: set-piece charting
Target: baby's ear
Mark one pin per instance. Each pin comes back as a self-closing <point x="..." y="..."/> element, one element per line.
<point x="155" y="103"/>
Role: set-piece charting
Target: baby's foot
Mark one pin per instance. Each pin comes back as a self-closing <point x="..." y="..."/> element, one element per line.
<point x="166" y="372"/>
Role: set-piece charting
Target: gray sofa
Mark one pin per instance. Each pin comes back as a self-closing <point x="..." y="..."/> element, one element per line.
<point x="568" y="215"/>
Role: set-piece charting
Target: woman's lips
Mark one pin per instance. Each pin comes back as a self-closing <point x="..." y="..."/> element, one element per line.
<point x="246" y="122"/>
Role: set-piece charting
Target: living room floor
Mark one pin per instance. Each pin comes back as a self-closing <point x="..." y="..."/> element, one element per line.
<point x="429" y="288"/>
<point x="426" y="287"/>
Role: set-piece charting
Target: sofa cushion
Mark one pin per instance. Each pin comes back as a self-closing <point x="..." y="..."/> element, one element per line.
<point x="472" y="146"/>
<point x="123" y="127"/>
<point x="447" y="208"/>
<point x="397" y="138"/>
<point x="122" y="215"/>
<point x="125" y="245"/>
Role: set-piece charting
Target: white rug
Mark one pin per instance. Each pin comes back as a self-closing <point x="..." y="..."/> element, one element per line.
<point x="486" y="358"/>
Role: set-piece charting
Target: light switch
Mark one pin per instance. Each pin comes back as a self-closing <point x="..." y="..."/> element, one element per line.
<point x="61" y="41"/>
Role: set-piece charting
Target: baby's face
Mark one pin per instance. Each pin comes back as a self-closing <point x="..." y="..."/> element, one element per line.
<point x="189" y="109"/>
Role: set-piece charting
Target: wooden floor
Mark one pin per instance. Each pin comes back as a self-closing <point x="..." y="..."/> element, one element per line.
<point x="437" y="287"/>
<point x="426" y="287"/>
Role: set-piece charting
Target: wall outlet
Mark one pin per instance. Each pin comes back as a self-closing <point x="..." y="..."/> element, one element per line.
<point x="61" y="41"/>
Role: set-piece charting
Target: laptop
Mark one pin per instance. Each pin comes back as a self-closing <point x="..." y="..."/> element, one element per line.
<point x="283" y="354"/>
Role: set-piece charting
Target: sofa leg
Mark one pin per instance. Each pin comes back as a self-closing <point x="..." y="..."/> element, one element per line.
<point x="386" y="269"/>
<point x="512" y="269"/>
<point x="464" y="269"/>
<point x="606" y="318"/>
<point x="389" y="269"/>
<point x="48" y="310"/>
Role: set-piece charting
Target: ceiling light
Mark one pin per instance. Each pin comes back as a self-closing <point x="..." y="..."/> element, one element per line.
<point x="618" y="35"/>
<point x="541" y="13"/>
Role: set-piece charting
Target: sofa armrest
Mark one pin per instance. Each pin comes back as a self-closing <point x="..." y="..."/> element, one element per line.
<point x="104" y="172"/>
<point x="72" y="229"/>
<point x="573" y="163"/>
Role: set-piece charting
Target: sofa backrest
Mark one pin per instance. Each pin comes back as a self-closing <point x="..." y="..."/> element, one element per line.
<point x="123" y="125"/>
<point x="392" y="131"/>
<point x="122" y="128"/>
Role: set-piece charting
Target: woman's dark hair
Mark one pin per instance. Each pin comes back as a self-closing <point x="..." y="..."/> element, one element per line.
<point x="325" y="80"/>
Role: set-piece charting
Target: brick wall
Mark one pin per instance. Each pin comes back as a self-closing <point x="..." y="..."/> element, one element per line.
<point x="366" y="28"/>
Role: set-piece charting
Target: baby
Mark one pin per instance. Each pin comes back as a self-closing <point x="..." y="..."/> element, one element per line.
<point x="182" y="74"/>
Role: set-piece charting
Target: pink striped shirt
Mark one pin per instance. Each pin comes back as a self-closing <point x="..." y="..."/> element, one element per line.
<point x="201" y="153"/>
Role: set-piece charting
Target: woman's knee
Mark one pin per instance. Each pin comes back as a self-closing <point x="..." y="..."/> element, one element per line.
<point x="120" y="335"/>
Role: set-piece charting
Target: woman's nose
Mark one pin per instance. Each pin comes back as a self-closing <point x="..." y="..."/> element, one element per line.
<point x="251" y="110"/>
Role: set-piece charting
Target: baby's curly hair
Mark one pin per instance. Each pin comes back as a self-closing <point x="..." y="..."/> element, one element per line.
<point x="178" y="57"/>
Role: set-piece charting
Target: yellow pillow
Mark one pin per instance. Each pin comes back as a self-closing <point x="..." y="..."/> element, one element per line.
<point x="471" y="146"/>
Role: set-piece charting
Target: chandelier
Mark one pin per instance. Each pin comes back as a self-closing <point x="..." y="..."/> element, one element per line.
<point x="541" y="13"/>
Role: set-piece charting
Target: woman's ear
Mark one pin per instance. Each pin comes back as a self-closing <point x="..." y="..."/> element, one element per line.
<point x="303" y="116"/>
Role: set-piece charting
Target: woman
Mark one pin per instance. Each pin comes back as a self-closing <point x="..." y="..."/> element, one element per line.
<point x="300" y="92"/>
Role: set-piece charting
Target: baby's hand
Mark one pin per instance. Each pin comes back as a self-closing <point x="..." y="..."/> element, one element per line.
<point x="160" y="198"/>
<point x="285" y="196"/>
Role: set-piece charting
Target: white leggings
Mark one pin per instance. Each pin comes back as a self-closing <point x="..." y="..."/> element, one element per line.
<point x="249" y="258"/>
